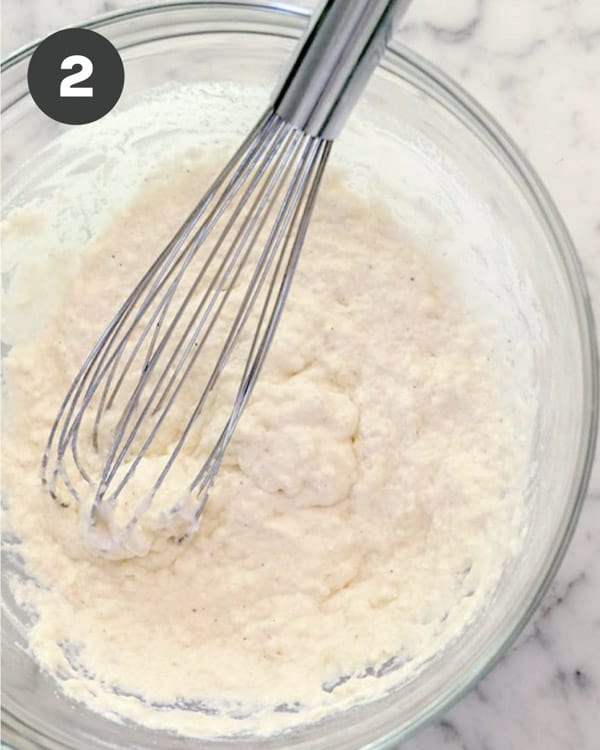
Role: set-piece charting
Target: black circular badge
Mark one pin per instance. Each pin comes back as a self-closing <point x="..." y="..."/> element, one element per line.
<point x="75" y="76"/>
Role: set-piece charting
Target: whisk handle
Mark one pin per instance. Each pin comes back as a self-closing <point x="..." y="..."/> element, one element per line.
<point x="333" y="62"/>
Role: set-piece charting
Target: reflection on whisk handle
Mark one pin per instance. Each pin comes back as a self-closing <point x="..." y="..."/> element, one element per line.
<point x="333" y="62"/>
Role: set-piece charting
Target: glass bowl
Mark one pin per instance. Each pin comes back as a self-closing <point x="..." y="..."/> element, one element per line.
<point x="429" y="138"/>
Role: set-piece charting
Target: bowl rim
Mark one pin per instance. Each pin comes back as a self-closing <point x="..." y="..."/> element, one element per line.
<point x="461" y="104"/>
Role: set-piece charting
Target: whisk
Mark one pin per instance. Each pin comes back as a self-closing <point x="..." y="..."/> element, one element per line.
<point x="177" y="363"/>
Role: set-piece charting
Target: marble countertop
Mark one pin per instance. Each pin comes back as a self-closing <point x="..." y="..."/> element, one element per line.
<point x="535" y="65"/>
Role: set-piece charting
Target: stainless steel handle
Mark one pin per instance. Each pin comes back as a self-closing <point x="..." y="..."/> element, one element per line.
<point x="333" y="62"/>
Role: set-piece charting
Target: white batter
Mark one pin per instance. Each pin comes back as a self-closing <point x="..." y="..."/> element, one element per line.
<point x="360" y="521"/>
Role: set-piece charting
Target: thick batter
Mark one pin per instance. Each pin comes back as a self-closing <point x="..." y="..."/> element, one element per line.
<point x="360" y="521"/>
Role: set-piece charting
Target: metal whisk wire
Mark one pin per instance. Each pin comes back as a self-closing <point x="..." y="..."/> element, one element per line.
<point x="221" y="282"/>
<point x="275" y="177"/>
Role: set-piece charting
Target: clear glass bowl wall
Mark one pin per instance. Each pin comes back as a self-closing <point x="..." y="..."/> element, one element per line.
<point x="529" y="273"/>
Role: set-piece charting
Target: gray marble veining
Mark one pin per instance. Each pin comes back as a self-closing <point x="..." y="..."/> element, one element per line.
<point x="536" y="67"/>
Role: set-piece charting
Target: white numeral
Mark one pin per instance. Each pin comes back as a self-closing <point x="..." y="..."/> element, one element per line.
<point x="87" y="68"/>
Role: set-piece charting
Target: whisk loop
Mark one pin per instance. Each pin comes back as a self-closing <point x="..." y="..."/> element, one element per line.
<point x="227" y="272"/>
